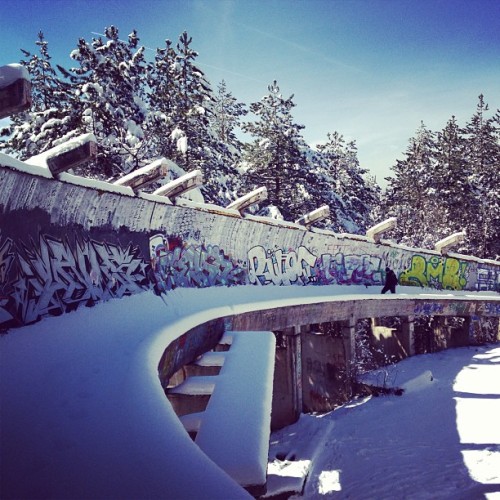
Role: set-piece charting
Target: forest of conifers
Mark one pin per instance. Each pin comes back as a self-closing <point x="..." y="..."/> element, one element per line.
<point x="142" y="109"/>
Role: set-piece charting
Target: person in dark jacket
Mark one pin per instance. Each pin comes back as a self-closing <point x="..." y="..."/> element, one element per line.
<point x="391" y="280"/>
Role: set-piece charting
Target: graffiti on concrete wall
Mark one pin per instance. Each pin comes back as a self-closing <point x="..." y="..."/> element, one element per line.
<point x="303" y="267"/>
<point x="350" y="269"/>
<point x="175" y="265"/>
<point x="187" y="347"/>
<point x="488" y="279"/>
<point x="436" y="272"/>
<point x="6" y="260"/>
<point x="281" y="267"/>
<point x="429" y="308"/>
<point x="53" y="276"/>
<point x="465" y="308"/>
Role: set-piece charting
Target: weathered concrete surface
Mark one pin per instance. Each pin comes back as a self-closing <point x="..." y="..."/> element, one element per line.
<point x="305" y="314"/>
<point x="325" y="379"/>
<point x="71" y="242"/>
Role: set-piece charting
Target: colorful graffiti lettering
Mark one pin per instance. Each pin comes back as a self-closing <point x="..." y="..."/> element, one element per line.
<point x="191" y="266"/>
<point x="488" y="309"/>
<point x="466" y="308"/>
<point x="281" y="268"/>
<point x="429" y="308"/>
<point x="350" y="269"/>
<point x="488" y="279"/>
<point x="396" y="259"/>
<point x="302" y="267"/>
<point x="53" y="278"/>
<point x="435" y="272"/>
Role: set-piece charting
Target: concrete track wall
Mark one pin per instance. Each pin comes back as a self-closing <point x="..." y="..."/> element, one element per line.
<point x="72" y="242"/>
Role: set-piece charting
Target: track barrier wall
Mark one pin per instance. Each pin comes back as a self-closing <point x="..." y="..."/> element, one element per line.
<point x="68" y="243"/>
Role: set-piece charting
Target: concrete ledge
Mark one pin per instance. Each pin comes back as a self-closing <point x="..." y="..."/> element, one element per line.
<point x="192" y="395"/>
<point x="211" y="359"/>
<point x="192" y="423"/>
<point x="195" y="386"/>
<point x="209" y="363"/>
<point x="224" y="343"/>
<point x="280" y="318"/>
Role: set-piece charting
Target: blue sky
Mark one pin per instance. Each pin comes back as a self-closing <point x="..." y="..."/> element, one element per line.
<point x="369" y="69"/>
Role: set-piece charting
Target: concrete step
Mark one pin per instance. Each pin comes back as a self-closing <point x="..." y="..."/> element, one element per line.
<point x="235" y="428"/>
<point x="209" y="363"/>
<point x="192" y="395"/>
<point x="224" y="343"/>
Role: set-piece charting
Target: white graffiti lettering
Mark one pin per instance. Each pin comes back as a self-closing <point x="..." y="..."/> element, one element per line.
<point x="488" y="279"/>
<point x="6" y="259"/>
<point x="54" y="278"/>
<point x="279" y="267"/>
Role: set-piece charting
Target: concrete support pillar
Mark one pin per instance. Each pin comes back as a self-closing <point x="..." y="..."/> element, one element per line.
<point x="473" y="325"/>
<point x="423" y="336"/>
<point x="440" y="333"/>
<point x="407" y="335"/>
<point x="349" y="339"/>
<point x="295" y="343"/>
<point x="287" y="385"/>
<point x="288" y="379"/>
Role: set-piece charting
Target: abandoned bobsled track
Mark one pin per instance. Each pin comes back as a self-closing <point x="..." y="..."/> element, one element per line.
<point x="67" y="243"/>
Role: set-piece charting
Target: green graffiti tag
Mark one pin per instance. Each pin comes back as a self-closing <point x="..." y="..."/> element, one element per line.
<point x="435" y="272"/>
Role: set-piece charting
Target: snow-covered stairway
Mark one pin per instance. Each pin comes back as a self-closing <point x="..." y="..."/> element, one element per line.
<point x="234" y="428"/>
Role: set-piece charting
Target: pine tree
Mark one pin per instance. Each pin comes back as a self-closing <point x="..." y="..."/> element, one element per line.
<point x="226" y="118"/>
<point x="47" y="89"/>
<point x="450" y="196"/>
<point x="331" y="156"/>
<point x="361" y="195"/>
<point x="351" y="197"/>
<point x="51" y="118"/>
<point x="276" y="158"/>
<point x="483" y="157"/>
<point x="407" y="192"/>
<point x="161" y="80"/>
<point x="193" y="98"/>
<point x="182" y="108"/>
<point x="110" y="84"/>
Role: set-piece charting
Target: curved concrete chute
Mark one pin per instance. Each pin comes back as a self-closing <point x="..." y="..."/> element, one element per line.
<point x="82" y="398"/>
<point x="84" y="411"/>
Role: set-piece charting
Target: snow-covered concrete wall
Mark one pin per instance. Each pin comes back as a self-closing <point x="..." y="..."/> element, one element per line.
<point x="71" y="242"/>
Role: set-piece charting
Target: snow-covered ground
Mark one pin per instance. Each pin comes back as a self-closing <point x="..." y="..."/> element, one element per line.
<point x="83" y="414"/>
<point x="439" y="440"/>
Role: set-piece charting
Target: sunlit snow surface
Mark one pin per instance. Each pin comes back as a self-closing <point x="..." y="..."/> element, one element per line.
<point x="329" y="481"/>
<point x="439" y="440"/>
